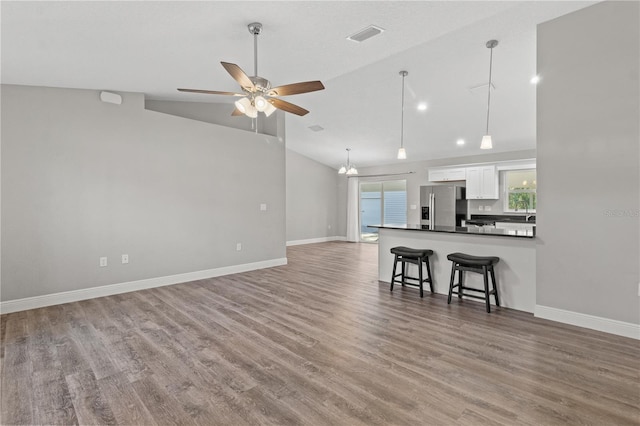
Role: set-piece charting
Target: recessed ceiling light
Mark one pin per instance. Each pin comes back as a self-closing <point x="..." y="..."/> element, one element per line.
<point x="535" y="79"/>
<point x="422" y="106"/>
<point x="460" y="142"/>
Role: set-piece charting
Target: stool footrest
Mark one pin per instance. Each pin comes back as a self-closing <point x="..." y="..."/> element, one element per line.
<point x="461" y="292"/>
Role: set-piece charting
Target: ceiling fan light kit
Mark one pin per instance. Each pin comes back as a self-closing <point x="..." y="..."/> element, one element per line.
<point x="487" y="143"/>
<point x="257" y="94"/>
<point x="245" y="106"/>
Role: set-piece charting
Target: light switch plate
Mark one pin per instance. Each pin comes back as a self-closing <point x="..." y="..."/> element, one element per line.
<point x="487" y="208"/>
<point x="263" y="207"/>
<point x="480" y="208"/>
<point x="412" y="206"/>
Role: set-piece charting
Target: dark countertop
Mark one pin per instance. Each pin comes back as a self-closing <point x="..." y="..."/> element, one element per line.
<point x="491" y="219"/>
<point x="462" y="230"/>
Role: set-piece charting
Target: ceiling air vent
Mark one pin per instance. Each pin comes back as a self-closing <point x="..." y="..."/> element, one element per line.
<point x="316" y="128"/>
<point x="365" y="33"/>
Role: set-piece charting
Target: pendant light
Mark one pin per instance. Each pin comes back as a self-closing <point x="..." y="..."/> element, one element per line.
<point x="349" y="169"/>
<point x="486" y="139"/>
<point x="402" y="153"/>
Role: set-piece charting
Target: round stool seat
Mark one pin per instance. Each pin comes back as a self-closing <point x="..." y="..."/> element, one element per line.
<point x="410" y="252"/>
<point x="467" y="259"/>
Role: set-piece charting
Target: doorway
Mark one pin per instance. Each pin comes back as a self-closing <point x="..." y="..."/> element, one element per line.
<point x="381" y="203"/>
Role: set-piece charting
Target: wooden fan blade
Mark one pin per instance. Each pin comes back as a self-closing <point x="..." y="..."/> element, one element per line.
<point x="239" y="75"/>
<point x="211" y="92"/>
<point x="236" y="112"/>
<point x="296" y="88"/>
<point x="288" y="107"/>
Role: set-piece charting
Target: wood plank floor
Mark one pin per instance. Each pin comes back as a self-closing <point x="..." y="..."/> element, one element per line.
<point x="319" y="341"/>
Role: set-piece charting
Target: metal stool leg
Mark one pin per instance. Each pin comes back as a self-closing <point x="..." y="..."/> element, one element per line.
<point x="420" y="274"/>
<point x="393" y="274"/>
<point x="495" y="286"/>
<point x="453" y="276"/>
<point x="429" y="274"/>
<point x="487" y="302"/>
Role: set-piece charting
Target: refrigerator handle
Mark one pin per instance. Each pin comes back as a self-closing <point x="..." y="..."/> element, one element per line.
<point x="432" y="210"/>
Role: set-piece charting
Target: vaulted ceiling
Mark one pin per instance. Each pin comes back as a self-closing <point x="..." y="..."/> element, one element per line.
<point x="156" y="47"/>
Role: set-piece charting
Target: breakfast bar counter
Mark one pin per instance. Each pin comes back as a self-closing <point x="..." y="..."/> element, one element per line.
<point x="515" y="273"/>
<point x="475" y="230"/>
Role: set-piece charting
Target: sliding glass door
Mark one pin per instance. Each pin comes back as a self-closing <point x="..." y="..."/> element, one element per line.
<point x="381" y="202"/>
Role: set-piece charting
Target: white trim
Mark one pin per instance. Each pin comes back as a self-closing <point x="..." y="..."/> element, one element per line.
<point x="607" y="325"/>
<point x="315" y="240"/>
<point x="523" y="165"/>
<point x="108" y="290"/>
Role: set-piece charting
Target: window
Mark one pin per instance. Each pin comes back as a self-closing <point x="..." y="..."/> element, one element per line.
<point x="381" y="202"/>
<point x="520" y="188"/>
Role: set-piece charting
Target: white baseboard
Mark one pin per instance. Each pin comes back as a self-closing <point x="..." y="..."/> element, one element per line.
<point x="315" y="240"/>
<point x="607" y="325"/>
<point x="108" y="290"/>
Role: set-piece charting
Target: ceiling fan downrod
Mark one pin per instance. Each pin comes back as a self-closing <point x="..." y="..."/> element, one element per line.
<point x="255" y="28"/>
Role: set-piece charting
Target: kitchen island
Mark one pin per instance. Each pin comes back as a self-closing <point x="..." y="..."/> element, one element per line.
<point x="516" y="272"/>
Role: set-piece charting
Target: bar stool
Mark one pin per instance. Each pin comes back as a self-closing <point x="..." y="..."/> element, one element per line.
<point x="480" y="264"/>
<point x="406" y="255"/>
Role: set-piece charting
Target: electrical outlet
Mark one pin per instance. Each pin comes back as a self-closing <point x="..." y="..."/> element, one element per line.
<point x="480" y="208"/>
<point x="412" y="207"/>
<point x="263" y="207"/>
<point x="239" y="247"/>
<point x="638" y="289"/>
<point x="328" y="226"/>
<point x="103" y="262"/>
<point x="487" y="208"/>
<point x="125" y="258"/>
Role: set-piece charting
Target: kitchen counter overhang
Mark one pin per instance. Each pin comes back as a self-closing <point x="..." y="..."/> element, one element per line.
<point x="468" y="230"/>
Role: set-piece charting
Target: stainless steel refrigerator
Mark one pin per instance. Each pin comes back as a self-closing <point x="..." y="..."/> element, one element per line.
<point x="443" y="205"/>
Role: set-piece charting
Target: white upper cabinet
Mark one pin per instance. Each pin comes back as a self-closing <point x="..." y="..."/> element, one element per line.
<point x="482" y="183"/>
<point x="444" y="175"/>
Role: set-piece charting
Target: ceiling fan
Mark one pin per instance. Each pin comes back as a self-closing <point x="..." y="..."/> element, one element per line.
<point x="257" y="93"/>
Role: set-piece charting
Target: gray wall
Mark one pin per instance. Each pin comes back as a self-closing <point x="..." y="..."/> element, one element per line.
<point x="215" y="113"/>
<point x="83" y="179"/>
<point x="588" y="162"/>
<point x="314" y="199"/>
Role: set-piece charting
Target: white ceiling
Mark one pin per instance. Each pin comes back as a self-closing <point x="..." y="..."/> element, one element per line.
<point x="155" y="47"/>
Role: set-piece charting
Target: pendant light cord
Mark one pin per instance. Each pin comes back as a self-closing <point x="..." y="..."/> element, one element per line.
<point x="489" y="96"/>
<point x="404" y="73"/>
